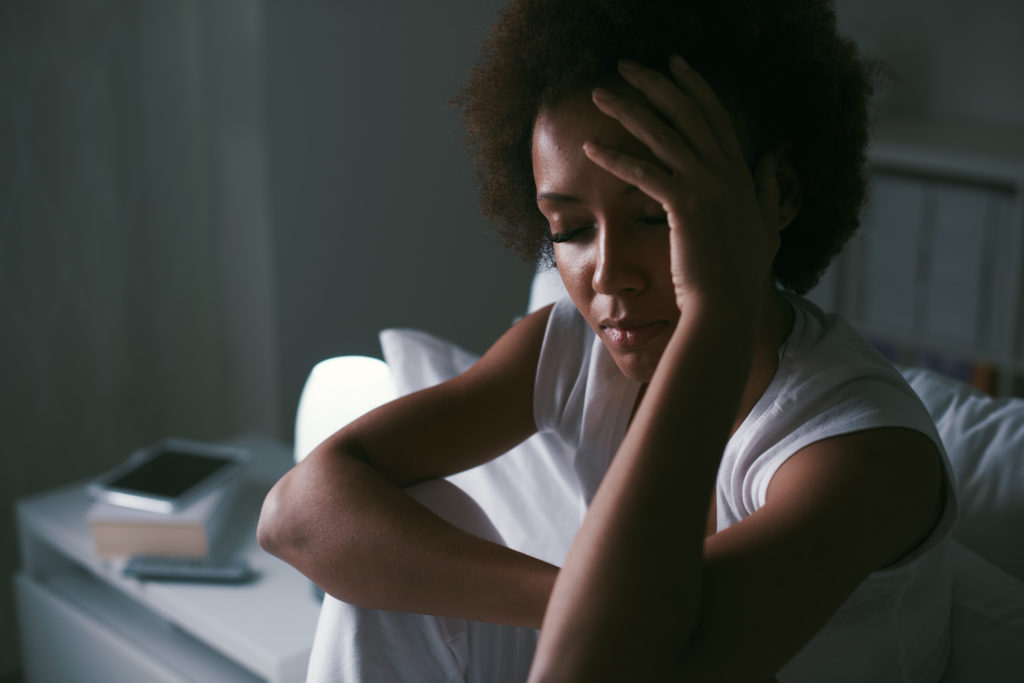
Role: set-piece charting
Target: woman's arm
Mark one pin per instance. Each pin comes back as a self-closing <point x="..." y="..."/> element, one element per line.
<point x="342" y="519"/>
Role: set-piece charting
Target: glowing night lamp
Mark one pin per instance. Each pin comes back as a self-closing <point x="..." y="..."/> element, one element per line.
<point x="338" y="391"/>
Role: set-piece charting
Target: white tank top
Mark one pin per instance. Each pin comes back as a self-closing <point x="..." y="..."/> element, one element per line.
<point x="830" y="381"/>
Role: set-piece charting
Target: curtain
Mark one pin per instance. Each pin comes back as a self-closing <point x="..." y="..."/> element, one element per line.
<point x="135" y="269"/>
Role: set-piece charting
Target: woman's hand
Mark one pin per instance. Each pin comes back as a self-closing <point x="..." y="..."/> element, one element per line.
<point x="724" y="225"/>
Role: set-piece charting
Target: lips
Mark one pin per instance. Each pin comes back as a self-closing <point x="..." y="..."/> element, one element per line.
<point x="628" y="335"/>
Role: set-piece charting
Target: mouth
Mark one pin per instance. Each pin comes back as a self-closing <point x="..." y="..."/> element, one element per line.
<point x="630" y="335"/>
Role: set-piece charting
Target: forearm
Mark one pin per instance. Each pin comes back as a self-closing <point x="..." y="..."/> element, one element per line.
<point x="363" y="540"/>
<point x="631" y="582"/>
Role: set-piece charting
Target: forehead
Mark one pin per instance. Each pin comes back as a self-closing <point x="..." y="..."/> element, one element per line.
<point x="561" y="129"/>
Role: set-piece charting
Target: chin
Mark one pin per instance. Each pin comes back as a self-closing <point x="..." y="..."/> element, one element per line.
<point x="638" y="369"/>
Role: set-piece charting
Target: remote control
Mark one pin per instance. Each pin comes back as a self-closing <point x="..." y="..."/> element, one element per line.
<point x="188" y="569"/>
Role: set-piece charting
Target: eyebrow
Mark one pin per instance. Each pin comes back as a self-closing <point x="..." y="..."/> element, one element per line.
<point x="572" y="199"/>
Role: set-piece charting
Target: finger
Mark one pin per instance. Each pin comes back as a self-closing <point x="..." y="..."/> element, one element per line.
<point x="679" y="108"/>
<point x="717" y="115"/>
<point x="665" y="142"/>
<point x="651" y="179"/>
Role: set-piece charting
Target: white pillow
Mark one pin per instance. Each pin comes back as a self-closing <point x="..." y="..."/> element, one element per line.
<point x="984" y="438"/>
<point x="531" y="494"/>
<point x="418" y="360"/>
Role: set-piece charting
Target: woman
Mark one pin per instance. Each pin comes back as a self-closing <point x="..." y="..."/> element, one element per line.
<point x="766" y="496"/>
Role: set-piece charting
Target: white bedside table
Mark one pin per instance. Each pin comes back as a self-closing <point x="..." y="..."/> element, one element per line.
<point x="81" y="620"/>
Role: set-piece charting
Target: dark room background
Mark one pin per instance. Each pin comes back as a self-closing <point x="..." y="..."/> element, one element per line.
<point x="200" y="200"/>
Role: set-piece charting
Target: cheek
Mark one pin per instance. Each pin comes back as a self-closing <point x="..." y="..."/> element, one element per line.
<point x="573" y="268"/>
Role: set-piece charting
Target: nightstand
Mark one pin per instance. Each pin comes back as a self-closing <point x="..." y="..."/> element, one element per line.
<point x="81" y="620"/>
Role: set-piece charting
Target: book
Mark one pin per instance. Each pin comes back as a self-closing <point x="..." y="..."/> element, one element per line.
<point x="192" y="531"/>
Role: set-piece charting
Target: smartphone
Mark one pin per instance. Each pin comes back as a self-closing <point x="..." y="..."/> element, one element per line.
<point x="169" y="475"/>
<point x="189" y="569"/>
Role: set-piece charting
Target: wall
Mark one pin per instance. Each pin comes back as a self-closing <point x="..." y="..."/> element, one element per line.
<point x="959" y="61"/>
<point x="374" y="208"/>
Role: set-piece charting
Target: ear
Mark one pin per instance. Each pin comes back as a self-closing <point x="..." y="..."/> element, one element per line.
<point x="790" y="189"/>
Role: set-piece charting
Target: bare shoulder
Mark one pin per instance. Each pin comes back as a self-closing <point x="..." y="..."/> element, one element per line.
<point x="514" y="354"/>
<point x="881" y="490"/>
<point x="457" y="424"/>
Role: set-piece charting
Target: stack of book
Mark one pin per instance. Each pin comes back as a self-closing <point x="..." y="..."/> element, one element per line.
<point x="191" y="531"/>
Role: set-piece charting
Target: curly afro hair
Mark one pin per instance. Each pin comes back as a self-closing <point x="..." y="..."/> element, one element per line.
<point x="780" y="67"/>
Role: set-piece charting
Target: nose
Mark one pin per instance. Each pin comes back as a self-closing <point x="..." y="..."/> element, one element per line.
<point x="618" y="266"/>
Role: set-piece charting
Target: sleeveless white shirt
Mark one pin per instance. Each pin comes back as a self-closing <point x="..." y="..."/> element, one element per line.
<point x="830" y="381"/>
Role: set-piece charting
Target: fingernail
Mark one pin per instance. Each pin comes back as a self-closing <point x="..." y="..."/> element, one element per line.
<point x="678" y="63"/>
<point x="629" y="66"/>
<point x="602" y="95"/>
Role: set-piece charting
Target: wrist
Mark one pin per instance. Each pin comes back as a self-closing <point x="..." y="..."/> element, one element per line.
<point x="716" y="314"/>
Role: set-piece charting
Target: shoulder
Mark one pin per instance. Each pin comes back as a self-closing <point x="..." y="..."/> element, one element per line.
<point x="876" y="494"/>
<point x="841" y="438"/>
<point x="824" y="351"/>
<point x="460" y="423"/>
<point x="830" y="382"/>
<point x="513" y="358"/>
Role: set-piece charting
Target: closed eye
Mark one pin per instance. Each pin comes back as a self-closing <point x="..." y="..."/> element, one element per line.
<point x="568" y="235"/>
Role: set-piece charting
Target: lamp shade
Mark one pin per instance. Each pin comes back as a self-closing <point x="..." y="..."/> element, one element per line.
<point x="338" y="391"/>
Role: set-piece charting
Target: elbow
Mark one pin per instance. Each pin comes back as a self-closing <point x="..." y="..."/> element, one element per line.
<point x="298" y="524"/>
<point x="276" y="530"/>
<point x="310" y="521"/>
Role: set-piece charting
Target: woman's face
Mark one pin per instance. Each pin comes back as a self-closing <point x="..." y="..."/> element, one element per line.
<point x="610" y="239"/>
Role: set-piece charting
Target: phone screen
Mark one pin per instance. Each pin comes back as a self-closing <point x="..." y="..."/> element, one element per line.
<point x="169" y="474"/>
